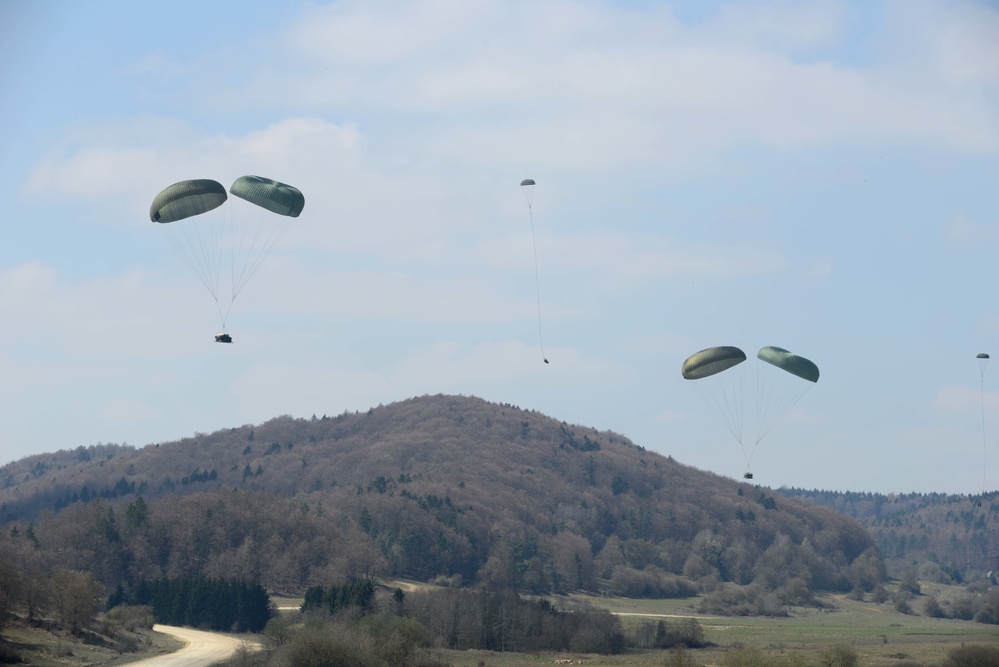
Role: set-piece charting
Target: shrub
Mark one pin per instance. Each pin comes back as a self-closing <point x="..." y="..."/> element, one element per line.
<point x="754" y="657"/>
<point x="8" y="656"/>
<point x="933" y="609"/>
<point x="988" y="612"/>
<point x="132" y="617"/>
<point x="839" y="656"/>
<point x="329" y="647"/>
<point x="649" y="583"/>
<point x="973" y="656"/>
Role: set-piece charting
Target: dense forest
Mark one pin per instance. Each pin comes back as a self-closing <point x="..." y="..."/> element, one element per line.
<point x="948" y="537"/>
<point x="449" y="489"/>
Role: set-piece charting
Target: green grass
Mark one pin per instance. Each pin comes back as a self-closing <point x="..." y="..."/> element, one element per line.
<point x="40" y="645"/>
<point x="880" y="635"/>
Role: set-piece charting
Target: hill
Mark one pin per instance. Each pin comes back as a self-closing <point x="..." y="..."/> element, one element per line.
<point x="450" y="488"/>
<point x="947" y="537"/>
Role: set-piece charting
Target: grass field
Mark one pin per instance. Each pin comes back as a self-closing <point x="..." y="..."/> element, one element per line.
<point x="879" y="634"/>
<point x="42" y="646"/>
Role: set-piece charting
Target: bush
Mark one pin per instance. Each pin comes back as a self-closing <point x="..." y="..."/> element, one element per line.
<point x="962" y="608"/>
<point x="395" y="639"/>
<point x="839" y="656"/>
<point x="973" y="656"/>
<point x="330" y="647"/>
<point x="127" y="644"/>
<point x="8" y="656"/>
<point x="933" y="609"/>
<point x="664" y="634"/>
<point x="679" y="657"/>
<point x="879" y="594"/>
<point x="988" y="612"/>
<point x="649" y="583"/>
<point x="132" y="617"/>
<point x="754" y="657"/>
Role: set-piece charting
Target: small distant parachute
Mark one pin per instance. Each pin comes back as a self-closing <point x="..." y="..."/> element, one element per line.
<point x="527" y="185"/>
<point x="983" y="361"/>
<point x="226" y="242"/>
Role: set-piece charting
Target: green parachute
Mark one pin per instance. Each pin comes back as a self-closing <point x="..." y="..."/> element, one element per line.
<point x="226" y="245"/>
<point x="711" y="361"/>
<point x="983" y="361"/>
<point x="781" y="382"/>
<point x="274" y="196"/>
<point x="719" y="385"/>
<point x="782" y="379"/>
<point x="187" y="199"/>
<point x="527" y="187"/>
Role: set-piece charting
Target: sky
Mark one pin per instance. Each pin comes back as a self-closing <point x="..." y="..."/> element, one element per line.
<point x="820" y="176"/>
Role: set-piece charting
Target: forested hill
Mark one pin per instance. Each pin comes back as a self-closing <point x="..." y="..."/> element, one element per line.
<point x="944" y="536"/>
<point x="433" y="487"/>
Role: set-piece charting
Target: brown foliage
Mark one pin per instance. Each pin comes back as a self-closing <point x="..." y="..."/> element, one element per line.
<point x="436" y="486"/>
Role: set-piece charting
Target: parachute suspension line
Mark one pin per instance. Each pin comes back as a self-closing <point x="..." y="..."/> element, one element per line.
<point x="726" y="402"/>
<point x="981" y="366"/>
<point x="249" y="248"/>
<point x="769" y="409"/>
<point x="771" y="406"/>
<point x="984" y="444"/>
<point x="196" y="252"/>
<point x="255" y="256"/>
<point x="983" y="361"/>
<point x="201" y="250"/>
<point x="537" y="281"/>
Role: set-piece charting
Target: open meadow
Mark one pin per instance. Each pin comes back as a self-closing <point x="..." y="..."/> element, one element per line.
<point x="877" y="632"/>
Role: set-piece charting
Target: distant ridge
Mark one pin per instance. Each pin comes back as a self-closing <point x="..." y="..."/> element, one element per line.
<point x="959" y="534"/>
<point x="449" y="487"/>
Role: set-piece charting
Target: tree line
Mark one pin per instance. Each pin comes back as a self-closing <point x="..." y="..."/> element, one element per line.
<point x="226" y="605"/>
<point x="541" y="507"/>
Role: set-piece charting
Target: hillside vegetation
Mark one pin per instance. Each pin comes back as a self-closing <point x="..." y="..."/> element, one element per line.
<point x="946" y="537"/>
<point x="446" y="488"/>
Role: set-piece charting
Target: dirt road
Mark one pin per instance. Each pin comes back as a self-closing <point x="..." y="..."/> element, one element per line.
<point x="202" y="648"/>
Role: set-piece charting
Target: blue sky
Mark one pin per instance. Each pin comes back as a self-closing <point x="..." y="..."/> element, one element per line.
<point x="820" y="176"/>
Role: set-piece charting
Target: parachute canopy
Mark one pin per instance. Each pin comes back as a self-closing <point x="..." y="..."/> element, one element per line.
<point x="187" y="198"/>
<point x="231" y="242"/>
<point x="790" y="362"/>
<point x="527" y="181"/>
<point x="711" y="361"/>
<point x="274" y="196"/>
<point x="982" y="355"/>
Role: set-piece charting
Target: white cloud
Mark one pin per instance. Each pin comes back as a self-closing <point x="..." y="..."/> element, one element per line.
<point x="778" y="26"/>
<point x="130" y="160"/>
<point x="126" y="410"/>
<point x="607" y="85"/>
<point x="670" y="417"/>
<point x="958" y="399"/>
<point x="965" y="233"/>
<point x="819" y="270"/>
